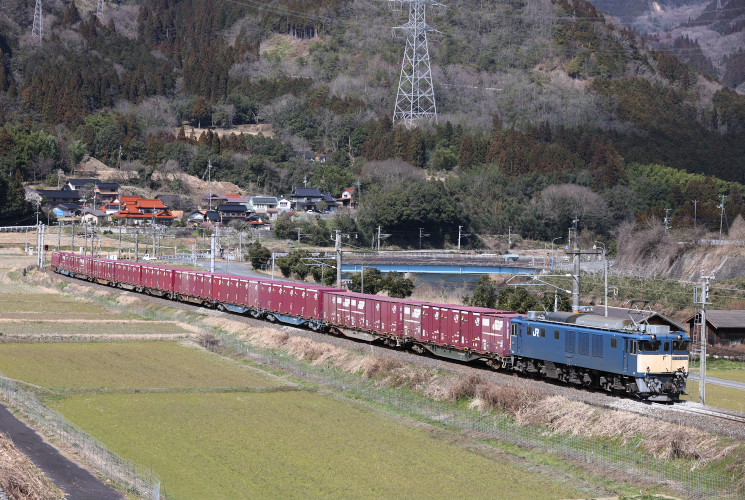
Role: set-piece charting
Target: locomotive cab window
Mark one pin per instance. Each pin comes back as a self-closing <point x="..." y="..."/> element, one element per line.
<point x="680" y="345"/>
<point x="513" y="329"/>
<point x="613" y="342"/>
<point x="649" y="345"/>
<point x="557" y="335"/>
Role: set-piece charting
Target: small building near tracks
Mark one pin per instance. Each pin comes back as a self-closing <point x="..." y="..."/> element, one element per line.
<point x="723" y="326"/>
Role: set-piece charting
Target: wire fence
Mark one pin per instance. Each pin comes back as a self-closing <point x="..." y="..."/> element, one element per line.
<point x="133" y="478"/>
<point x="634" y="463"/>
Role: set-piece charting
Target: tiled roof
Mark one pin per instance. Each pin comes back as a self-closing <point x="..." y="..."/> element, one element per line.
<point x="724" y="318"/>
<point x="145" y="203"/>
<point x="232" y="208"/>
<point x="307" y="192"/>
<point x="53" y="193"/>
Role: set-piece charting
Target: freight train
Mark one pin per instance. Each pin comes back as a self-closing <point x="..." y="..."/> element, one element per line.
<point x="617" y="355"/>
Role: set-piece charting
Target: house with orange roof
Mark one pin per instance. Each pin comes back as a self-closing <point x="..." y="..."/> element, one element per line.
<point x="138" y="210"/>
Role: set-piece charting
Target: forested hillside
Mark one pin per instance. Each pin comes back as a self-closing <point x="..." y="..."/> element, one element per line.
<point x="548" y="111"/>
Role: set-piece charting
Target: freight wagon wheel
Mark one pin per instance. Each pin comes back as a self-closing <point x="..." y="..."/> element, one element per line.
<point x="270" y="318"/>
<point x="220" y="307"/>
<point x="254" y="313"/>
<point x="417" y="348"/>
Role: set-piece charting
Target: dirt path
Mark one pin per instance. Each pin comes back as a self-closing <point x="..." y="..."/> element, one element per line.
<point x="76" y="482"/>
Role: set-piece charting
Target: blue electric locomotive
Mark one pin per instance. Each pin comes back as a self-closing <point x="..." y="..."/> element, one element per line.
<point x="618" y="355"/>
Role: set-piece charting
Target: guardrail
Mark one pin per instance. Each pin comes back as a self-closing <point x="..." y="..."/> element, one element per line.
<point x="17" y="229"/>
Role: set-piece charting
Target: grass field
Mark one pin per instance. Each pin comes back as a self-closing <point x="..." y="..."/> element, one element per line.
<point x="716" y="395"/>
<point x="45" y="302"/>
<point x="129" y="327"/>
<point x="126" y="365"/>
<point x="293" y="445"/>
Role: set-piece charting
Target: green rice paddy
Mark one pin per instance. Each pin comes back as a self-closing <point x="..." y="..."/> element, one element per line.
<point x="228" y="440"/>
<point x="94" y="327"/>
<point x="293" y="445"/>
<point x="125" y="366"/>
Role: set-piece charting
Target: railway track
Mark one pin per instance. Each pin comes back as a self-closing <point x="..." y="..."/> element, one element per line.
<point x="708" y="412"/>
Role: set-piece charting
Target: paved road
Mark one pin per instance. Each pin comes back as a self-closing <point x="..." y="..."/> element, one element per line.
<point x="719" y="381"/>
<point x="76" y="482"/>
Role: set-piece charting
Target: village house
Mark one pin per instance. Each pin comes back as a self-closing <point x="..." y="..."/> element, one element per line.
<point x="724" y="327"/>
<point x="138" y="210"/>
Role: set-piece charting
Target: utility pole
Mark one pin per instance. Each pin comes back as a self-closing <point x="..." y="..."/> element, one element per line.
<point x="422" y="235"/>
<point x="72" y="241"/>
<point x="721" y="216"/>
<point x="695" y="214"/>
<point x="209" y="179"/>
<point x="137" y="244"/>
<point x="379" y="229"/>
<point x="703" y="299"/>
<point x="575" y="281"/>
<point x="119" y="253"/>
<point x="99" y="8"/>
<point x="212" y="251"/>
<point x="416" y="94"/>
<point x="40" y="246"/>
<point x="577" y="253"/>
<point x="37" y="31"/>
<point x="509" y="237"/>
<point x="605" y="276"/>
<point x="666" y="221"/>
<point x="120" y="153"/>
<point x="339" y="259"/>
<point x="459" y="229"/>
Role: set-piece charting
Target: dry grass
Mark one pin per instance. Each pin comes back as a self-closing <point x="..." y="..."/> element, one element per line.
<point x="20" y="478"/>
<point x="663" y="440"/>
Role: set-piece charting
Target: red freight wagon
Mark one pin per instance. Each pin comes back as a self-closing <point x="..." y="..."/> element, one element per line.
<point x="364" y="312"/>
<point x="462" y="327"/>
<point x="129" y="273"/>
<point x="158" y="278"/>
<point x="193" y="283"/>
<point x="56" y="258"/>
<point x="103" y="269"/>
<point x="232" y="289"/>
<point x="72" y="262"/>
<point x="295" y="299"/>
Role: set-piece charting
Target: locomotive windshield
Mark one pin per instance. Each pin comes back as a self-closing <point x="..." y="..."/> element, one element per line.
<point x="649" y="345"/>
<point x="681" y="345"/>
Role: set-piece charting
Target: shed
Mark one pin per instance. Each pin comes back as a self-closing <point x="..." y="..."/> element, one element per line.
<point x="725" y="327"/>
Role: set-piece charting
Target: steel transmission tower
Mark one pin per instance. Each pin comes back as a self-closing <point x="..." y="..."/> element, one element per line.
<point x="38" y="29"/>
<point x="416" y="94"/>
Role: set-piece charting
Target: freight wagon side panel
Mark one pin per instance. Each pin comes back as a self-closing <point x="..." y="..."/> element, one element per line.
<point x="412" y="321"/>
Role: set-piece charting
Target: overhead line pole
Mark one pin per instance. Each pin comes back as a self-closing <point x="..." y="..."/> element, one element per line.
<point x="703" y="301"/>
